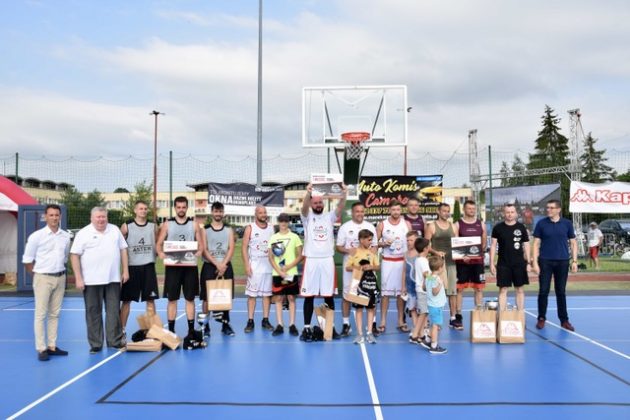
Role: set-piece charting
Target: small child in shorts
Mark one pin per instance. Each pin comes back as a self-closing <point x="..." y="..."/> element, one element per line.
<point x="365" y="260"/>
<point x="436" y="299"/>
<point x="421" y="272"/>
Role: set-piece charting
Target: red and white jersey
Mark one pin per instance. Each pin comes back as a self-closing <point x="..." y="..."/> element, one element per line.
<point x="398" y="235"/>
<point x="319" y="236"/>
<point x="259" y="240"/>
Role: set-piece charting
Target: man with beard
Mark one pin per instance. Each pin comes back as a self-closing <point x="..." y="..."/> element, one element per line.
<point x="180" y="228"/>
<point x="217" y="261"/>
<point x="392" y="237"/>
<point x="470" y="270"/>
<point x="347" y="244"/>
<point x="318" y="278"/>
<point x="413" y="217"/>
<point x="255" y="253"/>
<point x="440" y="233"/>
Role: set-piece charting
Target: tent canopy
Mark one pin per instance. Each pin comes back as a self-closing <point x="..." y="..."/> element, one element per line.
<point x="11" y="195"/>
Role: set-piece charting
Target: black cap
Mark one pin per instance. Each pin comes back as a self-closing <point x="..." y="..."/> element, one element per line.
<point x="283" y="217"/>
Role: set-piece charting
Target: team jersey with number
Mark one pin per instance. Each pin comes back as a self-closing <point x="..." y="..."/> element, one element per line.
<point x="141" y="241"/>
<point x="218" y="241"/>
<point x="397" y="233"/>
<point x="319" y="237"/>
<point x="181" y="231"/>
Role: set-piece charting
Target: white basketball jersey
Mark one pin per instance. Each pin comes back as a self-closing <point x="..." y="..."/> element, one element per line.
<point x="259" y="241"/>
<point x="398" y="235"/>
<point x="348" y="235"/>
<point x="319" y="237"/>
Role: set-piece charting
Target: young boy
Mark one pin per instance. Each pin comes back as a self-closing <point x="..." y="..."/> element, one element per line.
<point x="436" y="299"/>
<point x="409" y="282"/>
<point x="422" y="271"/>
<point x="365" y="260"/>
<point x="285" y="255"/>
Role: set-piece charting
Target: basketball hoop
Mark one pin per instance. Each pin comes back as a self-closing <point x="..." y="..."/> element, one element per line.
<point x="354" y="143"/>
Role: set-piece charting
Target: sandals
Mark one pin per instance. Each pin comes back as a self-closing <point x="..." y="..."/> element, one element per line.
<point x="403" y="328"/>
<point x="381" y="329"/>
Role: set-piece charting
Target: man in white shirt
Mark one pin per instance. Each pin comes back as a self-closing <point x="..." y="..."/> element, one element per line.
<point x="595" y="238"/>
<point x="97" y="253"/>
<point x="45" y="256"/>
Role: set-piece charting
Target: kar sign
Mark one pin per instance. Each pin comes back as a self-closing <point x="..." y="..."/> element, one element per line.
<point x="610" y="197"/>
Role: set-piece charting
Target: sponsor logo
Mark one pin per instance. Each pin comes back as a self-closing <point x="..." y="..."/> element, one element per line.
<point x="601" y="196"/>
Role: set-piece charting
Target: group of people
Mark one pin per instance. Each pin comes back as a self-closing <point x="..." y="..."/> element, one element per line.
<point x="114" y="266"/>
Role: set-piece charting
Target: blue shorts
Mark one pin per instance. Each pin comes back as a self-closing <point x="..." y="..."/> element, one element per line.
<point x="435" y="315"/>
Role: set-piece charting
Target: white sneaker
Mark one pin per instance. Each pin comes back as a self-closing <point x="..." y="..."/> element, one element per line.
<point x="370" y="339"/>
<point x="359" y="340"/>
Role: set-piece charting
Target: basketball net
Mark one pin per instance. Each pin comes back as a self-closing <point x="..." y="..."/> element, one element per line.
<point x="354" y="141"/>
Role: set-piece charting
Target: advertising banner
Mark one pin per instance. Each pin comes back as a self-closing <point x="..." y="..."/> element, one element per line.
<point x="376" y="192"/>
<point x="609" y="197"/>
<point x="241" y="198"/>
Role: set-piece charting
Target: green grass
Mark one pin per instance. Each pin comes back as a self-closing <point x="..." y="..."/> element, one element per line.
<point x="607" y="265"/>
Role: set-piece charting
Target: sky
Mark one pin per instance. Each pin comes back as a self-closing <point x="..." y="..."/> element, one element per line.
<point x="80" y="77"/>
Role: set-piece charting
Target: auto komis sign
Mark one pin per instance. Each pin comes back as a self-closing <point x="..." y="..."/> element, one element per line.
<point x="610" y="197"/>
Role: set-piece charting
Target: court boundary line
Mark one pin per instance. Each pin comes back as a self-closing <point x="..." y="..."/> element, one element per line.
<point x="70" y="382"/>
<point x="583" y="337"/>
<point x="355" y="405"/>
<point x="378" y="413"/>
<point x="584" y="359"/>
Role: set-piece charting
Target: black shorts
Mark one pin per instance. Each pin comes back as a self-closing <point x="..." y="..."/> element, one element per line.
<point x="279" y="289"/>
<point x="142" y="284"/>
<point x="470" y="275"/>
<point x="512" y="275"/>
<point x="176" y="278"/>
<point x="209" y="272"/>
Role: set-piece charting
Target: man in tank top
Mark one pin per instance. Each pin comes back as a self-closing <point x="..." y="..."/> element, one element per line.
<point x="392" y="238"/>
<point x="217" y="254"/>
<point x="414" y="217"/>
<point x="180" y="228"/>
<point x="470" y="270"/>
<point x="258" y="268"/>
<point x="440" y="233"/>
<point x="142" y="284"/>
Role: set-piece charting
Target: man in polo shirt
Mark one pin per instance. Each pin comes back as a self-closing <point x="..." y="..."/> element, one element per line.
<point x="45" y="256"/>
<point x="97" y="253"/>
<point x="552" y="237"/>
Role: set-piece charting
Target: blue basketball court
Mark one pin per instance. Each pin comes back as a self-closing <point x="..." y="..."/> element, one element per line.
<point x="556" y="374"/>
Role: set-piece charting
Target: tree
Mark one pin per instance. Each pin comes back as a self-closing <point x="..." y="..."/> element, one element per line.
<point x="551" y="150"/>
<point x="625" y="177"/>
<point x="592" y="160"/>
<point x="73" y="200"/>
<point x="518" y="166"/>
<point x="506" y="181"/>
<point x="457" y="211"/>
<point x="142" y="192"/>
<point x="121" y="190"/>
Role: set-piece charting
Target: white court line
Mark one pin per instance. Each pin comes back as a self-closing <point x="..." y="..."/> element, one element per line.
<point x="71" y="381"/>
<point x="378" y="413"/>
<point x="583" y="337"/>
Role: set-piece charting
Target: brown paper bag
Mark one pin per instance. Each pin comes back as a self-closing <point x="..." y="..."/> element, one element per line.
<point x="353" y="292"/>
<point x="326" y="319"/>
<point x="511" y="326"/>
<point x="219" y="294"/>
<point x="10" y="278"/>
<point x="147" y="319"/>
<point x="168" y="338"/>
<point x="148" y="344"/>
<point x="483" y="326"/>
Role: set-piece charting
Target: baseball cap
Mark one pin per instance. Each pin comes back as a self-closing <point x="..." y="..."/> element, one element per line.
<point x="593" y="224"/>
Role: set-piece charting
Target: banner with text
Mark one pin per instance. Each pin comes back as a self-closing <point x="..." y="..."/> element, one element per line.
<point x="376" y="192"/>
<point x="609" y="197"/>
<point x="241" y="198"/>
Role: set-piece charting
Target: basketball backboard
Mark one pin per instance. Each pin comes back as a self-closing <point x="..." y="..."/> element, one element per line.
<point x="329" y="111"/>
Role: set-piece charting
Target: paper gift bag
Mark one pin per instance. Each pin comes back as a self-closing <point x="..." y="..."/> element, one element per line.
<point x="326" y="319"/>
<point x="483" y="326"/>
<point x="147" y="319"/>
<point x="168" y="338"/>
<point x="353" y="295"/>
<point x="219" y="294"/>
<point x="148" y="344"/>
<point x="511" y="326"/>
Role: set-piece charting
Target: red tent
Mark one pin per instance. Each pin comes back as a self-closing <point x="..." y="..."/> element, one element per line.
<point x="11" y="196"/>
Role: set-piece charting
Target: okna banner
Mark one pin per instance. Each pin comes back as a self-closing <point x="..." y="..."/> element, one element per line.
<point x="609" y="197"/>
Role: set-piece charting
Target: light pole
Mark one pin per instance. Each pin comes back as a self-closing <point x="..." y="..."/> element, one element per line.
<point x="155" y="133"/>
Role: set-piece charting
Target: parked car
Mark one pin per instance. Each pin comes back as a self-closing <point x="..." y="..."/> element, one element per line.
<point x="239" y="230"/>
<point x="297" y="228"/>
<point x="618" y="227"/>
